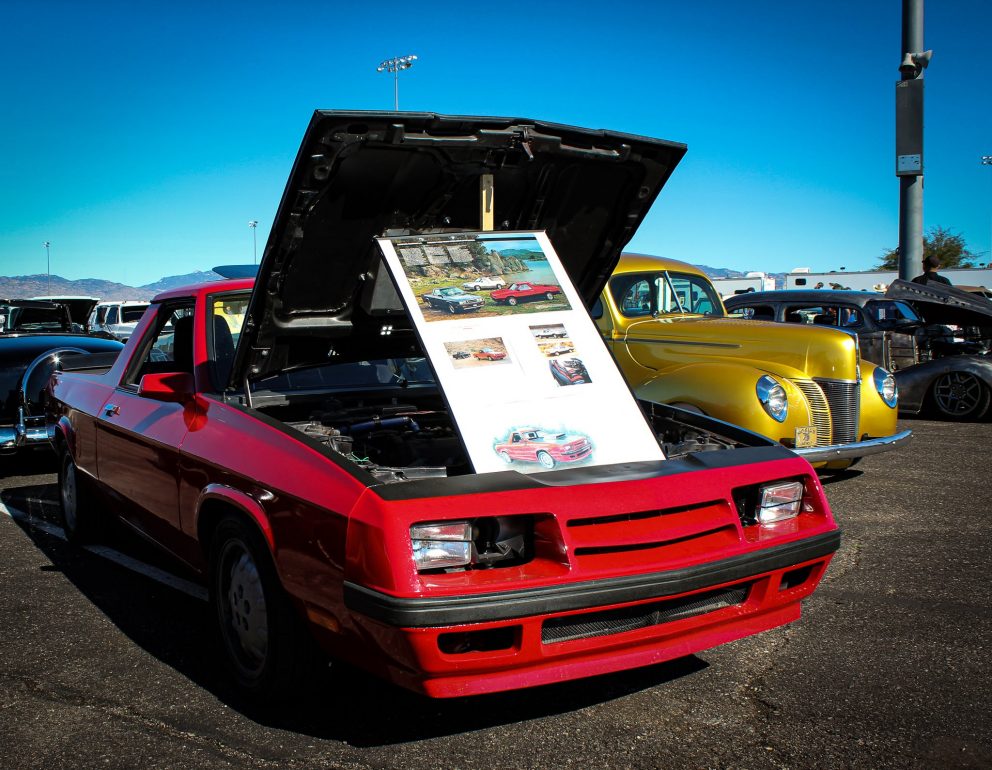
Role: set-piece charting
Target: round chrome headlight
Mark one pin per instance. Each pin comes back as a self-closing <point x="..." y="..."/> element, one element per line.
<point x="772" y="397"/>
<point x="885" y="384"/>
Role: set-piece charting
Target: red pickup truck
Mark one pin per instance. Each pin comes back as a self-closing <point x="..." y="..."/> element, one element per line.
<point x="288" y="440"/>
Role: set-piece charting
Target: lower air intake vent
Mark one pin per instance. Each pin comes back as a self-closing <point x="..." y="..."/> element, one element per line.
<point x="642" y="616"/>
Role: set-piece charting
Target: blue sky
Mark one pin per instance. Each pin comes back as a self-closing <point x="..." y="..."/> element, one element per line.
<point x="140" y="138"/>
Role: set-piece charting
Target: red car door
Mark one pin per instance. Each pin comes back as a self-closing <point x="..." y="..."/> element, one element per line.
<point x="138" y="438"/>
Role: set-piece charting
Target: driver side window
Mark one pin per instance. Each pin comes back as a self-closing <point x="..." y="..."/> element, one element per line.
<point x="167" y="345"/>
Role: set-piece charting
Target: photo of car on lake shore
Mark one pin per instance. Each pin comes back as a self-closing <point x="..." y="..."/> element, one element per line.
<point x="444" y="273"/>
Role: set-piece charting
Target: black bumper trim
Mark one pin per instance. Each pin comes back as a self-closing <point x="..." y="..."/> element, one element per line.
<point x="456" y="610"/>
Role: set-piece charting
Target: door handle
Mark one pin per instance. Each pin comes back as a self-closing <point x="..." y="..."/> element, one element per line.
<point x="111" y="409"/>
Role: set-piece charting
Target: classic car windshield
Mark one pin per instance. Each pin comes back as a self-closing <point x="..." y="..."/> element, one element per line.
<point x="644" y="294"/>
<point x="887" y="312"/>
<point x="14" y="318"/>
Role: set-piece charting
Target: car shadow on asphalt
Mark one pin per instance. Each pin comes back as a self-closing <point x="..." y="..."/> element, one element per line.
<point x="340" y="703"/>
<point x="834" y="476"/>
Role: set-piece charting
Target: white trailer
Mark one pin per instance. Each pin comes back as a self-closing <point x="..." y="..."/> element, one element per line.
<point x="879" y="280"/>
<point x="753" y="281"/>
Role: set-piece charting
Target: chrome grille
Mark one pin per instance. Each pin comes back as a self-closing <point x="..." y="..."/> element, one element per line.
<point x="819" y="408"/>
<point x="844" y="408"/>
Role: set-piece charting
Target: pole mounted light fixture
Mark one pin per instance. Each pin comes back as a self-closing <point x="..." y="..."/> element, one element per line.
<point x="394" y="65"/>
<point x="48" y="261"/>
<point x="253" y="224"/>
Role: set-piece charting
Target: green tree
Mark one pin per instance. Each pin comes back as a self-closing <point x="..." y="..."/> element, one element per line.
<point x="941" y="243"/>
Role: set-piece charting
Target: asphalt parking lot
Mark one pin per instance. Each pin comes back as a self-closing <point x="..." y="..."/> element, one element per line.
<point x="890" y="665"/>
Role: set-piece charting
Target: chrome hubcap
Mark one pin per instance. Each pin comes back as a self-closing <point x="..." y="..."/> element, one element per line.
<point x="957" y="392"/>
<point x="247" y="615"/>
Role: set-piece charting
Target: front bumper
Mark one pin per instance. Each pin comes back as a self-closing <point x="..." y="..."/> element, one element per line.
<point x="27" y="431"/>
<point x="443" y="646"/>
<point x="870" y="446"/>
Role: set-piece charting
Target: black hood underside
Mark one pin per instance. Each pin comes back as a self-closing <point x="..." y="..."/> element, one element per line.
<point x="938" y="303"/>
<point x="363" y="175"/>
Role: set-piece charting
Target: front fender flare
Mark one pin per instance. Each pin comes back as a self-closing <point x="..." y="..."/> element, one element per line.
<point x="726" y="391"/>
<point x="244" y="502"/>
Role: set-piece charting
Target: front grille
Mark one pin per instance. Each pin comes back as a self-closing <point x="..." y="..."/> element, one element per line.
<point x="663" y="538"/>
<point x="844" y="408"/>
<point x="611" y="622"/>
<point x="819" y="408"/>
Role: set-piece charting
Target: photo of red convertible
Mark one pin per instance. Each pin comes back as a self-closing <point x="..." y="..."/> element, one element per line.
<point x="287" y="440"/>
<point x="519" y="292"/>
<point x="548" y="448"/>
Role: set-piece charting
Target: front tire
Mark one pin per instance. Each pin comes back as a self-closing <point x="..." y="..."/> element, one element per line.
<point x="960" y="396"/>
<point x="549" y="295"/>
<point x="545" y="459"/>
<point x="264" y="642"/>
<point x="511" y="300"/>
<point x="79" y="518"/>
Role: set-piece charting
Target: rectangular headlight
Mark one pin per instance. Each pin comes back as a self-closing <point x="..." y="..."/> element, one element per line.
<point x="445" y="544"/>
<point x="780" y="501"/>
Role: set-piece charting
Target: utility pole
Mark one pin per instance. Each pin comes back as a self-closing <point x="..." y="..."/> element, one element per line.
<point x="909" y="139"/>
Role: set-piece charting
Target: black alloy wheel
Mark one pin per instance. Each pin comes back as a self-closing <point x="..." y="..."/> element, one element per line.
<point x="960" y="396"/>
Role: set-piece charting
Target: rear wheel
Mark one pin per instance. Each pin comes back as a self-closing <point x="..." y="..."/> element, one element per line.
<point x="265" y="644"/>
<point x="79" y="518"/>
<point x="960" y="396"/>
<point x="505" y="456"/>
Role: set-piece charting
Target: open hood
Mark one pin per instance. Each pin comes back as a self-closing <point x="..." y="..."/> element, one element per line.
<point x="360" y="175"/>
<point x="938" y="303"/>
<point x="79" y="307"/>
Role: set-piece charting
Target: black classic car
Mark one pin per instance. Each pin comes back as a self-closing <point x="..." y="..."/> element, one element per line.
<point x="936" y="339"/>
<point x="35" y="337"/>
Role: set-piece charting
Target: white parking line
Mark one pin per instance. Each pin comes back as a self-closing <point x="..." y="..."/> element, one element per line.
<point x="123" y="560"/>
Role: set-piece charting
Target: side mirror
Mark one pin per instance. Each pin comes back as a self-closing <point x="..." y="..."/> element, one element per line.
<point x="176" y="387"/>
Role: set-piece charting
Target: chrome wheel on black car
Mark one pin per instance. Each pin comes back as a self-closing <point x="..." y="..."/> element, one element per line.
<point x="960" y="396"/>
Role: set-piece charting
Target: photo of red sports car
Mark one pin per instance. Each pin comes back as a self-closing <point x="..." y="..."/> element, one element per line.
<point x="488" y="354"/>
<point x="548" y="448"/>
<point x="518" y="292"/>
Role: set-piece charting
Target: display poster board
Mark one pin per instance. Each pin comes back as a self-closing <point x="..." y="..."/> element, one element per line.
<point x="529" y="381"/>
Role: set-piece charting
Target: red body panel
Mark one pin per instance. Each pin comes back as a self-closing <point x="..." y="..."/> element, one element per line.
<point x="173" y="467"/>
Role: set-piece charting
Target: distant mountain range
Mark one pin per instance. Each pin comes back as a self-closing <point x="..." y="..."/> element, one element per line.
<point x="24" y="286"/>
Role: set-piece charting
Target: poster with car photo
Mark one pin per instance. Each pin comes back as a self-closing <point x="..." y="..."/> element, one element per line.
<point x="512" y="367"/>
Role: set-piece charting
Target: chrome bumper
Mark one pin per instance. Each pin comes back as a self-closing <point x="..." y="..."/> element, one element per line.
<point x="870" y="446"/>
<point x="28" y="431"/>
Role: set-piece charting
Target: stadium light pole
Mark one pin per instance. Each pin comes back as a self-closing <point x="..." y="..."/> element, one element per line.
<point x="48" y="262"/>
<point x="394" y="65"/>
<point x="987" y="161"/>
<point x="253" y="224"/>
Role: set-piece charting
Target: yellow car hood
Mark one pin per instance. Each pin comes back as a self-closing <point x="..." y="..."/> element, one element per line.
<point x="789" y="350"/>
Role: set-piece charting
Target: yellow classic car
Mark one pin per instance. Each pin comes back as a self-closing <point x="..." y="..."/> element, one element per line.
<point x="802" y="386"/>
